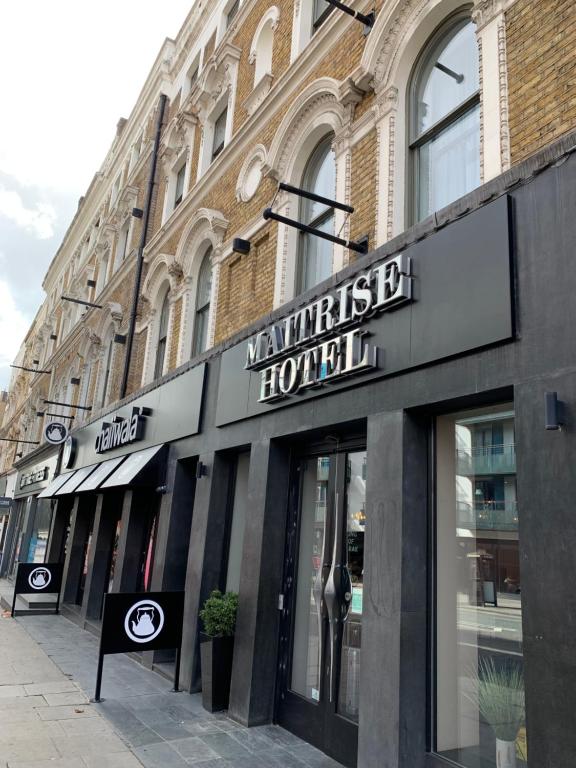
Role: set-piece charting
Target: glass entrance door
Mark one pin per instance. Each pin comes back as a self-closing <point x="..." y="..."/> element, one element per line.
<point x="321" y="637"/>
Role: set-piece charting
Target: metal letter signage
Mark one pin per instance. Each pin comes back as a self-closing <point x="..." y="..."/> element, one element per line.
<point x="323" y="337"/>
<point x="122" y="431"/>
<point x="33" y="477"/>
<point x="134" y="622"/>
<point x="34" y="578"/>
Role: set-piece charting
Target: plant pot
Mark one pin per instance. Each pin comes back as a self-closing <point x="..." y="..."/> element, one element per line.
<point x="216" y="665"/>
<point x="505" y="754"/>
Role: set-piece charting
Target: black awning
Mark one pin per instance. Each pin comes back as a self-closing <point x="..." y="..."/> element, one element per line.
<point x="140" y="468"/>
<point x="57" y="483"/>
<point x="100" y="474"/>
<point x="75" y="479"/>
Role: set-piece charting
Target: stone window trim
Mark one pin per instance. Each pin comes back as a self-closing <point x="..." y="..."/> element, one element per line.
<point x="206" y="229"/>
<point x="392" y="48"/>
<point x="251" y="174"/>
<point x="215" y="89"/>
<point x="261" y="48"/>
<point x="319" y="110"/>
<point x="163" y="280"/>
<point x="176" y="152"/>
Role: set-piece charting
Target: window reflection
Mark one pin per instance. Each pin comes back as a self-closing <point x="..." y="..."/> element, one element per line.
<point x="480" y="693"/>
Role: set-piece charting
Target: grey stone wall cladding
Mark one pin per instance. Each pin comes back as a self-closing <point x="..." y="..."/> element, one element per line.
<point x="396" y="416"/>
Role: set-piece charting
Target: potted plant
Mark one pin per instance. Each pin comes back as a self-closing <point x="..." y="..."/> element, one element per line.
<point x="500" y="698"/>
<point x="216" y="648"/>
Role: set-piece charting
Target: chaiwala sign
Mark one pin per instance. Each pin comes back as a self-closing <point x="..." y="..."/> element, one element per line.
<point x="122" y="431"/>
<point x="323" y="342"/>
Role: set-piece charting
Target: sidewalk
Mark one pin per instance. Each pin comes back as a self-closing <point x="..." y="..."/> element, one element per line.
<point x="140" y="718"/>
<point x="45" y="719"/>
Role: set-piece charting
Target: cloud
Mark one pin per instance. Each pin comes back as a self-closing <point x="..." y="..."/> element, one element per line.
<point x="13" y="329"/>
<point x="38" y="220"/>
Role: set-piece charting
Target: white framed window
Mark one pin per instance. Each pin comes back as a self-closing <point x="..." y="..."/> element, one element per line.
<point x="444" y="123"/>
<point x="231" y="12"/>
<point x="162" y="342"/>
<point x="315" y="255"/>
<point x="219" y="135"/>
<point x="202" y="305"/>
<point x="106" y="361"/>
<point x="179" y="185"/>
<point x="308" y="18"/>
<point x="122" y="243"/>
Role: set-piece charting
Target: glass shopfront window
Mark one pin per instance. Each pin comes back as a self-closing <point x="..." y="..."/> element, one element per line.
<point x="40" y="531"/>
<point x="479" y="658"/>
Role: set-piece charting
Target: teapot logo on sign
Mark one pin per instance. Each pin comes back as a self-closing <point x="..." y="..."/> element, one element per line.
<point x="144" y="621"/>
<point x="39" y="578"/>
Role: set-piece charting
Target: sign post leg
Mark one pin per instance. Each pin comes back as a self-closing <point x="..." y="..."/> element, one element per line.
<point x="58" y="603"/>
<point x="13" y="602"/>
<point x="97" y="698"/>
<point x="176" y="688"/>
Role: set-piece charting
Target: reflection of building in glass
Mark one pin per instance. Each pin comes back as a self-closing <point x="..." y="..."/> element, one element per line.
<point x="486" y="505"/>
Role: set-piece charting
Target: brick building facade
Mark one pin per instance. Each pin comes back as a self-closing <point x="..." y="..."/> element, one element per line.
<point x="413" y="124"/>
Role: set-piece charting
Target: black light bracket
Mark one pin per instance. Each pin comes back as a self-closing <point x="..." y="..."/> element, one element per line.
<point x="32" y="370"/>
<point x="91" y="283"/>
<point x="364" y="18"/>
<point x="314" y="197"/>
<point x="74" y="381"/>
<point x="137" y="213"/>
<point x="201" y="470"/>
<point x="357" y="247"/>
<point x="24" y="442"/>
<point x="241" y="246"/>
<point x="81" y="301"/>
<point x="69" y="405"/>
<point x="119" y="338"/>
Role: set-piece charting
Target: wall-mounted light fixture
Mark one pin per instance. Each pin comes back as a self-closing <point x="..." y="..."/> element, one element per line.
<point x="201" y="470"/>
<point x="241" y="246"/>
<point x="35" y="362"/>
<point x="74" y="381"/>
<point x="119" y="338"/>
<point x="554" y="411"/>
<point x="40" y="413"/>
<point x="366" y="19"/>
<point x="53" y="336"/>
<point x="137" y="213"/>
<point x="81" y="301"/>
<point x="91" y="283"/>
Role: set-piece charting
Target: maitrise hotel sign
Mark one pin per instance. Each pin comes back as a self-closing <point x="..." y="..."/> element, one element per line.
<point x="326" y="341"/>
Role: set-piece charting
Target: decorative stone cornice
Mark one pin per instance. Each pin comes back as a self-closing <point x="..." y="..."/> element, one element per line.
<point x="386" y="102"/>
<point x="485" y="11"/>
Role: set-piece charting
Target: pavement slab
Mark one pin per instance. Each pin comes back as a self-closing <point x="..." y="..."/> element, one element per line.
<point x="47" y="720"/>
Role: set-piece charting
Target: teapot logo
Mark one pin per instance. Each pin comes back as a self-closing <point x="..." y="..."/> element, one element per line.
<point x="144" y="621"/>
<point x="56" y="432"/>
<point x="39" y="578"/>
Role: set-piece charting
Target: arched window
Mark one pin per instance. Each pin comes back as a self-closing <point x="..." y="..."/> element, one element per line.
<point x="445" y="118"/>
<point x="315" y="254"/>
<point x="202" y="313"/>
<point x="107" y="362"/>
<point x="162" y="338"/>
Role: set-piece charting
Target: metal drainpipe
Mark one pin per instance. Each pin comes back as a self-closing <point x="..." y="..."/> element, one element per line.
<point x="140" y="257"/>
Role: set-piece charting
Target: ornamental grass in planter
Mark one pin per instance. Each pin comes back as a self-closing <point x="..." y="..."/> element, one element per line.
<point x="217" y="648"/>
<point x="500" y="699"/>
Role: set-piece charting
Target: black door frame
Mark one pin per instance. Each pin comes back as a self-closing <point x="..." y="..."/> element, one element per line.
<point x="317" y="723"/>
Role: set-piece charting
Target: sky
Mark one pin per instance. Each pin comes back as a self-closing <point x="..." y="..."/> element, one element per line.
<point x="70" y="70"/>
